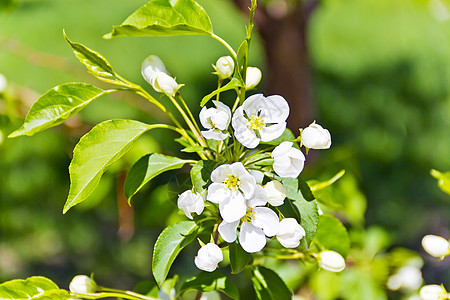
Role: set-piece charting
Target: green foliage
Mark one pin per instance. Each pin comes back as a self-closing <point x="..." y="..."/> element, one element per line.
<point x="443" y="180"/>
<point x="57" y="105"/>
<point x="269" y="286"/>
<point x="36" y="288"/>
<point x="234" y="84"/>
<point x="147" y="168"/>
<point x="201" y="174"/>
<point x="160" y="18"/>
<point x="332" y="235"/>
<point x="208" y="282"/>
<point x="168" y="246"/>
<point x="239" y="259"/>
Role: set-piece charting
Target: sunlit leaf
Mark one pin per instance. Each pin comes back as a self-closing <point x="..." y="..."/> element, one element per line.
<point x="201" y="174"/>
<point x="269" y="286"/>
<point x="57" y="105"/>
<point x="233" y="84"/>
<point x="36" y="288"/>
<point x="208" y="282"/>
<point x="332" y="235"/>
<point x="443" y="180"/>
<point x="239" y="258"/>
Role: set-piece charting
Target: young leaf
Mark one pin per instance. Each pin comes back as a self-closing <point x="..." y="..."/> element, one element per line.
<point x="208" y="282"/>
<point x="305" y="190"/>
<point x="233" y="84"/>
<point x="36" y="288"/>
<point x="269" y="286"/>
<point x="160" y="18"/>
<point x="443" y="180"/>
<point x="98" y="149"/>
<point x="96" y="63"/>
<point x="201" y="173"/>
<point x="239" y="259"/>
<point x="168" y="246"/>
<point x="332" y="235"/>
<point x="57" y="105"/>
<point x="147" y="168"/>
<point x="324" y="184"/>
<point x="297" y="188"/>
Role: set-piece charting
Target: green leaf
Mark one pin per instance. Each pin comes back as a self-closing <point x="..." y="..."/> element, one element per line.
<point x="443" y="180"/>
<point x="36" y="288"/>
<point x="57" y="105"/>
<point x="168" y="246"/>
<point x="324" y="184"/>
<point x="242" y="59"/>
<point x="332" y="235"/>
<point x="208" y="282"/>
<point x="305" y="190"/>
<point x="239" y="258"/>
<point x="96" y="63"/>
<point x="147" y="168"/>
<point x="160" y="18"/>
<point x="201" y="174"/>
<point x="297" y="189"/>
<point x="269" y="286"/>
<point x="98" y="149"/>
<point x="233" y="84"/>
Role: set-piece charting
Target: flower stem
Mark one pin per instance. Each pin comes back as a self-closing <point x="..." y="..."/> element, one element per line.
<point x="222" y="41"/>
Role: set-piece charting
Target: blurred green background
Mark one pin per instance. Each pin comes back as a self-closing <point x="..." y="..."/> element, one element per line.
<point x="380" y="82"/>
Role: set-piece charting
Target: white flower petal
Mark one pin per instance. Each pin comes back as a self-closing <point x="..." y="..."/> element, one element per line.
<point x="191" y="202"/>
<point x="208" y="257"/>
<point x="276" y="192"/>
<point x="269" y="133"/>
<point x="243" y="134"/>
<point x="290" y="233"/>
<point x="205" y="117"/>
<point x="221" y="173"/>
<point x="258" y="175"/>
<point x="436" y="245"/>
<point x="253" y="77"/>
<point x="214" y="134"/>
<point x="274" y="109"/>
<point x="251" y="238"/>
<point x="331" y="261"/>
<point x="259" y="198"/>
<point x="253" y="104"/>
<point x="150" y="66"/>
<point x="233" y="208"/>
<point x="288" y="161"/>
<point x="228" y="231"/>
<point x="267" y="220"/>
<point x="218" y="192"/>
<point x="282" y="149"/>
<point x="316" y="137"/>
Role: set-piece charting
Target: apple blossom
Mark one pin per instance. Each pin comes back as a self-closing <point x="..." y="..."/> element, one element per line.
<point x="231" y="185"/>
<point x="258" y="222"/>
<point x="407" y="278"/>
<point x="260" y="118"/>
<point x="288" y="161"/>
<point x="215" y="120"/>
<point x="154" y="72"/>
<point x="436" y="246"/>
<point x="331" y="261"/>
<point x="82" y="284"/>
<point x="191" y="202"/>
<point x="224" y="67"/>
<point x="316" y="137"/>
<point x="433" y="292"/>
<point x="252" y="77"/>
<point x="152" y="65"/>
<point x="276" y="192"/>
<point x="208" y="257"/>
<point x="290" y="233"/>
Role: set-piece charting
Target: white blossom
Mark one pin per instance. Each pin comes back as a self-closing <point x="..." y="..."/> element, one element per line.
<point x="257" y="223"/>
<point x="82" y="284"/>
<point x="435" y="245"/>
<point x="331" y="261"/>
<point x="432" y="292"/>
<point x="3" y="83"/>
<point x="316" y="137"/>
<point x="260" y="119"/>
<point x="208" y="257"/>
<point x="231" y="185"/>
<point x="290" y="233"/>
<point x="407" y="278"/>
<point x="288" y="161"/>
<point x="152" y="65"/>
<point x="191" y="202"/>
<point x="276" y="192"/>
<point x="155" y="73"/>
<point x="252" y="77"/>
<point x="224" y="67"/>
<point x="216" y="120"/>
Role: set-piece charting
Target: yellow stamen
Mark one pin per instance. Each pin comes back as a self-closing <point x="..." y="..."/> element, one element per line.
<point x="249" y="216"/>
<point x="256" y="123"/>
<point x="232" y="182"/>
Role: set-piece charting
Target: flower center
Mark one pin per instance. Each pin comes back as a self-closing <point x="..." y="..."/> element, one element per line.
<point x="256" y="123"/>
<point x="249" y="216"/>
<point x="232" y="182"/>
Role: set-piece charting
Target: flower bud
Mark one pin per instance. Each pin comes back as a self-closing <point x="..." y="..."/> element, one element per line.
<point x="435" y="245"/>
<point x="316" y="137"/>
<point x="252" y="78"/>
<point x="163" y="83"/>
<point x="3" y="83"/>
<point x="276" y="192"/>
<point x="331" y="261"/>
<point x="224" y="67"/>
<point x="82" y="284"/>
<point x="208" y="257"/>
<point x="287" y="160"/>
<point x="290" y="233"/>
<point x="432" y="292"/>
<point x="191" y="202"/>
<point x="152" y="65"/>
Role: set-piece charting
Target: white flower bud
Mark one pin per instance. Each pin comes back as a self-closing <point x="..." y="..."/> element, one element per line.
<point x="331" y="261"/>
<point x="3" y="83"/>
<point x="252" y="78"/>
<point x="287" y="160"/>
<point x="191" y="202"/>
<point x="163" y="83"/>
<point x="435" y="245"/>
<point x="208" y="257"/>
<point x="290" y="233"/>
<point x="406" y="278"/>
<point x="432" y="292"/>
<point x="151" y="65"/>
<point x="224" y="67"/>
<point x="276" y="192"/>
<point x="316" y="137"/>
<point x="82" y="284"/>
